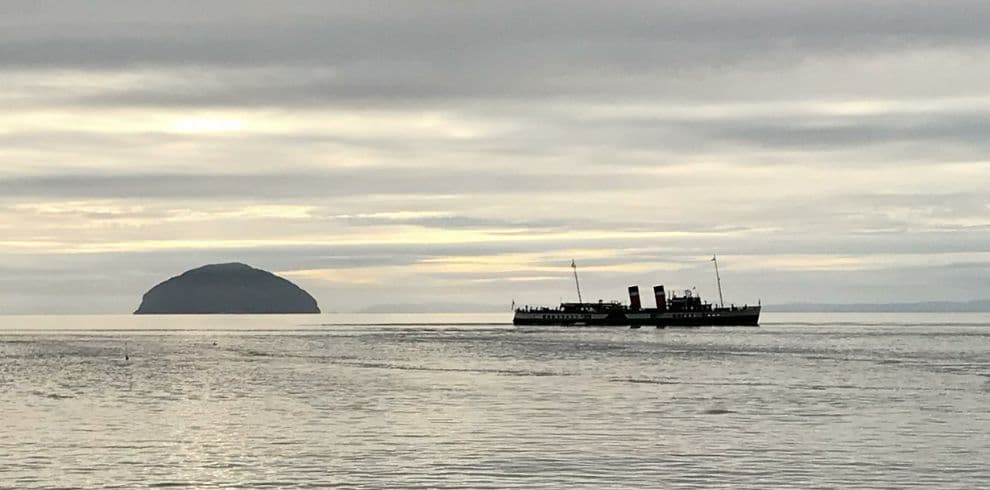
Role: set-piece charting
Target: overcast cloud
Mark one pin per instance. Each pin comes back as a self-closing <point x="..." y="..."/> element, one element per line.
<point x="464" y="152"/>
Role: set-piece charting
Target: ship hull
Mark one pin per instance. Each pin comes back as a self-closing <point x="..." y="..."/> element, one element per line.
<point x="562" y="319"/>
<point x="748" y="316"/>
<point x="720" y="317"/>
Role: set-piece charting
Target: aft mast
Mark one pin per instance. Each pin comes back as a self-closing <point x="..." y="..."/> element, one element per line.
<point x="718" y="282"/>
<point x="576" y="282"/>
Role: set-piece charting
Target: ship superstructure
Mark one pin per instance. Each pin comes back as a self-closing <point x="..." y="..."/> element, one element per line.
<point x="686" y="310"/>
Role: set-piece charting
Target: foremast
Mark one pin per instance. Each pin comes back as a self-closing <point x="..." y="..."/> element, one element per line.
<point x="718" y="282"/>
<point x="576" y="282"/>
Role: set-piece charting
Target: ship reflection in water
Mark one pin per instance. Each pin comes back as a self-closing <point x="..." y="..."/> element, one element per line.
<point x="683" y="311"/>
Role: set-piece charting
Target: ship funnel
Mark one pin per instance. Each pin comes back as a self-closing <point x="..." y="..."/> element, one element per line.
<point x="634" y="303"/>
<point x="661" y="297"/>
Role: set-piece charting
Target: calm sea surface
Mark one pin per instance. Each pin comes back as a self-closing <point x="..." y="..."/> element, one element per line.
<point x="465" y="401"/>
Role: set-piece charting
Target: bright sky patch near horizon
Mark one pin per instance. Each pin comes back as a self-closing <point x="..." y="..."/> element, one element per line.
<point x="465" y="152"/>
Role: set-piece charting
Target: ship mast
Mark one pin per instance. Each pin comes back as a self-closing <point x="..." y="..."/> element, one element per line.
<point x="578" y="284"/>
<point x="718" y="281"/>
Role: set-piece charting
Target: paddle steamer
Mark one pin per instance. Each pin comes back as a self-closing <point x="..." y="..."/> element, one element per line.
<point x="686" y="310"/>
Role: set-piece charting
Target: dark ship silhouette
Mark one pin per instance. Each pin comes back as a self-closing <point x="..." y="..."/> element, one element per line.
<point x="676" y="311"/>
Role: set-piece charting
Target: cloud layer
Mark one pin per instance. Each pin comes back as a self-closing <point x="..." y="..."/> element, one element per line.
<point x="392" y="152"/>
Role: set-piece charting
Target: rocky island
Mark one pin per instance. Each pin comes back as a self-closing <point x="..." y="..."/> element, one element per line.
<point x="233" y="288"/>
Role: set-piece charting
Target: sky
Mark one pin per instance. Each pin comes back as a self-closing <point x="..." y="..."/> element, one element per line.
<point x="463" y="153"/>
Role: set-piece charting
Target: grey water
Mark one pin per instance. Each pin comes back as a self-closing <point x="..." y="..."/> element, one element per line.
<point x="467" y="401"/>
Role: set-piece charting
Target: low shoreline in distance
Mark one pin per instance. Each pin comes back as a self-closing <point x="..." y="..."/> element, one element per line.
<point x="974" y="306"/>
<point x="435" y="308"/>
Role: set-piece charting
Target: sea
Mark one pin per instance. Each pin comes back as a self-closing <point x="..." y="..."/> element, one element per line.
<point x="806" y="400"/>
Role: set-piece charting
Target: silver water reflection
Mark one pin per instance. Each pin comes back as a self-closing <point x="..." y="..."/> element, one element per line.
<point x="249" y="402"/>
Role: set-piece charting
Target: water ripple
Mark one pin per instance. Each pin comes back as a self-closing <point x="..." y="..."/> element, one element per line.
<point x="470" y="405"/>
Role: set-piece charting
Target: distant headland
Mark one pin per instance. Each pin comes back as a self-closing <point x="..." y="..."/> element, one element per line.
<point x="232" y="288"/>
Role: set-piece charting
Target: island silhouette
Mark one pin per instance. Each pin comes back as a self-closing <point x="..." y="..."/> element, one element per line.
<point x="232" y="288"/>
